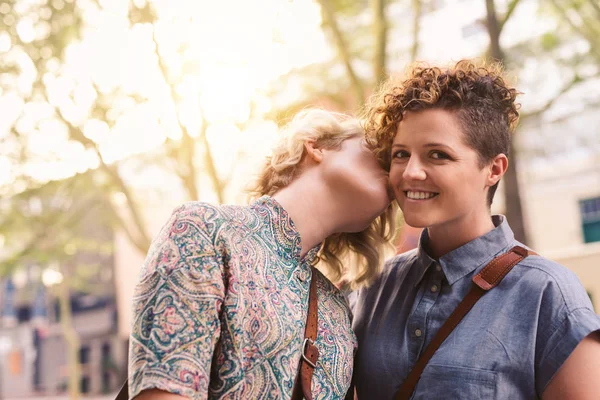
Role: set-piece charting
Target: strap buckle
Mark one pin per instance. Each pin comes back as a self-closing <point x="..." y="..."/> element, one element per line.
<point x="307" y="341"/>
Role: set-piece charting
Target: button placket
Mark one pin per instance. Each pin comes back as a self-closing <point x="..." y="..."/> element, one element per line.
<point x="430" y="290"/>
<point x="416" y="322"/>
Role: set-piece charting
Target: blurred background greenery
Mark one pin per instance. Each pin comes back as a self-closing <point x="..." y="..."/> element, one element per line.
<point x="112" y="112"/>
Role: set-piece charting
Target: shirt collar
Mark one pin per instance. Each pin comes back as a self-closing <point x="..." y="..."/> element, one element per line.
<point x="284" y="230"/>
<point x="467" y="258"/>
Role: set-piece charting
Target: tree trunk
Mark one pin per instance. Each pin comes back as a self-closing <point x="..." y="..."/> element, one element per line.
<point x="512" y="197"/>
<point x="418" y="11"/>
<point x="595" y="6"/>
<point x="71" y="339"/>
<point x="342" y="48"/>
<point x="493" y="27"/>
<point x="190" y="180"/>
<point x="512" y="193"/>
<point x="210" y="166"/>
<point x="380" y="28"/>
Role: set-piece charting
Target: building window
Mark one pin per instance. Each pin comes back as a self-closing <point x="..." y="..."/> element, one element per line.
<point x="590" y="219"/>
<point x="84" y="355"/>
<point x="105" y="351"/>
<point x="107" y="366"/>
<point x="106" y="382"/>
<point x="85" y="384"/>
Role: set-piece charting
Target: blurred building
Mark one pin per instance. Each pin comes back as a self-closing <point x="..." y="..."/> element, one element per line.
<point x="33" y="349"/>
<point x="562" y="195"/>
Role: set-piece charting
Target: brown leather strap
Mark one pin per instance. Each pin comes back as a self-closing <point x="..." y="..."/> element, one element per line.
<point x="488" y="278"/>
<point x="310" y="353"/>
<point x="124" y="392"/>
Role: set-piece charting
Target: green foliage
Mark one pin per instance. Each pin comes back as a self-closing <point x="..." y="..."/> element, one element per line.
<point x="549" y="41"/>
<point x="349" y="7"/>
<point x="579" y="19"/>
<point x="47" y="29"/>
<point x="66" y="222"/>
<point x="141" y="12"/>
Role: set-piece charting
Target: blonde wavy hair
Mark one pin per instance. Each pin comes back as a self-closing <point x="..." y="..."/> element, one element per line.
<point x="363" y="251"/>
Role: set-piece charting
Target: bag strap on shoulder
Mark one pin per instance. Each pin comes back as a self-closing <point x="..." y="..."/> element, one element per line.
<point x="310" y="353"/>
<point x="488" y="278"/>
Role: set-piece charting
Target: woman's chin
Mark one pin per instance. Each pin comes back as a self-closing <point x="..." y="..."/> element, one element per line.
<point x="416" y="221"/>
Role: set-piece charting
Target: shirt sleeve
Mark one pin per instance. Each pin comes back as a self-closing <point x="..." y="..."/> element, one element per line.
<point x="567" y="333"/>
<point x="176" y="307"/>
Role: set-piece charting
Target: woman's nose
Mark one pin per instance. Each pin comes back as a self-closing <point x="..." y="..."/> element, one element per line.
<point x="414" y="170"/>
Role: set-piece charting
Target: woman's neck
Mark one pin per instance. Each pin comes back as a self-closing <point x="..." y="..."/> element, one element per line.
<point x="312" y="209"/>
<point x="451" y="235"/>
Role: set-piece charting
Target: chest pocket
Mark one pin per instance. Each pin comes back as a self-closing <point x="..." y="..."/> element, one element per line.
<point x="452" y="382"/>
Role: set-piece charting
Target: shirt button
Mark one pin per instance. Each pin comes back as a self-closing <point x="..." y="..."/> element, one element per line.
<point x="418" y="332"/>
<point x="302" y="275"/>
<point x="434" y="288"/>
<point x="438" y="267"/>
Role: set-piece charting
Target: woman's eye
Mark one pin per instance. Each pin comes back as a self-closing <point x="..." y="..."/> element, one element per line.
<point x="439" y="155"/>
<point x="400" y="154"/>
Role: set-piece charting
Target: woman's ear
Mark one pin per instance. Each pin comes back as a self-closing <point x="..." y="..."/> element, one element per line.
<point x="497" y="168"/>
<point x="314" y="152"/>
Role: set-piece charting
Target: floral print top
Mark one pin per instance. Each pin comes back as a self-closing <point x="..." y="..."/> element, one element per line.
<point x="221" y="304"/>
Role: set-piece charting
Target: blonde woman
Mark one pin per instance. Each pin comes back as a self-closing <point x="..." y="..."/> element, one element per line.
<point x="222" y="301"/>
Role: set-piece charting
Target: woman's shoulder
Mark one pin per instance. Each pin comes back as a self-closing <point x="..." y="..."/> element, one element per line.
<point x="201" y="223"/>
<point x="201" y="209"/>
<point x="558" y="283"/>
<point x="327" y="286"/>
<point x="207" y="214"/>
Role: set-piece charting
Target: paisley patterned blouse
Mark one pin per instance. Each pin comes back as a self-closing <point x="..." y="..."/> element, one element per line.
<point x="221" y="304"/>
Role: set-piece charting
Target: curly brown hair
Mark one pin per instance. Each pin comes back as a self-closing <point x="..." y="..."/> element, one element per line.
<point x="478" y="93"/>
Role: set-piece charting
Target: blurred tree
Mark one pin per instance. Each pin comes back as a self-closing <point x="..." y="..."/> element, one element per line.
<point x="587" y="26"/>
<point x="512" y="194"/>
<point x="417" y="6"/>
<point x="583" y="19"/>
<point x="41" y="40"/>
<point x="333" y="11"/>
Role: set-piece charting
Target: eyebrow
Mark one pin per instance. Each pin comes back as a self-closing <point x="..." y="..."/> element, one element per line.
<point x="432" y="144"/>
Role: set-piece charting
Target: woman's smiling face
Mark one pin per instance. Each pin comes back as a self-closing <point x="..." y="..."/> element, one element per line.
<point x="436" y="177"/>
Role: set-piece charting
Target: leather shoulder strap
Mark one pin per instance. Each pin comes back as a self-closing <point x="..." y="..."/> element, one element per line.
<point x="124" y="392"/>
<point x="488" y="278"/>
<point x="310" y="353"/>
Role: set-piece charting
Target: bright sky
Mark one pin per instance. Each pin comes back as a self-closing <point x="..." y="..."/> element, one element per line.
<point x="229" y="62"/>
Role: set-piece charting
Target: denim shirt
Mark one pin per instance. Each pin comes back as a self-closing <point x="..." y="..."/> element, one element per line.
<point x="509" y="346"/>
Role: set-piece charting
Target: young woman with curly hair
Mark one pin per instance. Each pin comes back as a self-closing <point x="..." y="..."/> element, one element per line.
<point x="444" y="134"/>
<point x="221" y="304"/>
